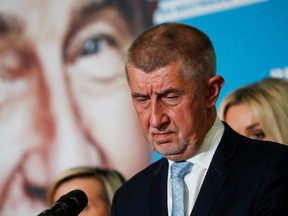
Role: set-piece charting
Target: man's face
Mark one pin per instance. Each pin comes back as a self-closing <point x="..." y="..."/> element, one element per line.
<point x="172" y="111"/>
<point x="63" y="97"/>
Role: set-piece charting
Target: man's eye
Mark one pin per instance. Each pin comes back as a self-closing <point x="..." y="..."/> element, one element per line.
<point x="172" y="97"/>
<point x="141" y="102"/>
<point x="141" y="99"/>
<point x="171" y="100"/>
<point x="93" y="46"/>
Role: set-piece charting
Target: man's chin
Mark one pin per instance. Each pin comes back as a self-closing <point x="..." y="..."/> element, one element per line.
<point x="166" y="150"/>
<point x="176" y="157"/>
<point x="170" y="151"/>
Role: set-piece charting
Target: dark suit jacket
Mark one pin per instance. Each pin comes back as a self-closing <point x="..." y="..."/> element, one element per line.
<point x="245" y="177"/>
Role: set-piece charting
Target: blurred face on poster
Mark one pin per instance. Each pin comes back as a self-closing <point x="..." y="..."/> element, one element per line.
<point x="64" y="99"/>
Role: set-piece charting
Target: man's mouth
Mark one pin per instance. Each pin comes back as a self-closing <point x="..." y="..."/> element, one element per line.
<point x="162" y="138"/>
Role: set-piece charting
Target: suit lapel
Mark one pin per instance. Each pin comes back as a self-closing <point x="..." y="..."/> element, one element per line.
<point x="158" y="192"/>
<point x="217" y="173"/>
<point x="212" y="184"/>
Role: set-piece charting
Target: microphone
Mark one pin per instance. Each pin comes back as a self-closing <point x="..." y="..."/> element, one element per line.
<point x="70" y="204"/>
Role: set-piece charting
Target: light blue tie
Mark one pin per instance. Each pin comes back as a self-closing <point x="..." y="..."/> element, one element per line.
<point x="178" y="171"/>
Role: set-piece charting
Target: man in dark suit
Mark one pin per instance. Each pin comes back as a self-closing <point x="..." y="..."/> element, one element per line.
<point x="171" y="71"/>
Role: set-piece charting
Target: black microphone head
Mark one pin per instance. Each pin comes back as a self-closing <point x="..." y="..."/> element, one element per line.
<point x="70" y="204"/>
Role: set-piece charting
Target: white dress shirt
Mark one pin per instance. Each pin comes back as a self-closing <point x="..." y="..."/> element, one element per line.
<point x="201" y="161"/>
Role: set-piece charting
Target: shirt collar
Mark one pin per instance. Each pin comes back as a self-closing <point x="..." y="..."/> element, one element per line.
<point x="204" y="155"/>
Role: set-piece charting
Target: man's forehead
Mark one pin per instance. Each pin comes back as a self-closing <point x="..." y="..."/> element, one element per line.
<point x="160" y="81"/>
<point x="170" y="71"/>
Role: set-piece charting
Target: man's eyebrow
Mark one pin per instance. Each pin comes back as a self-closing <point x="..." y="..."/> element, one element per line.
<point x="159" y="93"/>
<point x="137" y="94"/>
<point x="170" y="90"/>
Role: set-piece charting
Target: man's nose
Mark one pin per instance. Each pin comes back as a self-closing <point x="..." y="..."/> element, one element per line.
<point x="158" y="116"/>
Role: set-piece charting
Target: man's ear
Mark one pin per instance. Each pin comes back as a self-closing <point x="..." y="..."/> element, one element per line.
<point x="215" y="84"/>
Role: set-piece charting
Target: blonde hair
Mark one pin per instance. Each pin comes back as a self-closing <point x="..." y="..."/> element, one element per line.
<point x="110" y="178"/>
<point x="268" y="100"/>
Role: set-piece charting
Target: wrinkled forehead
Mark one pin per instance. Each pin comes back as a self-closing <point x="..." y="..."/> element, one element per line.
<point x="51" y="17"/>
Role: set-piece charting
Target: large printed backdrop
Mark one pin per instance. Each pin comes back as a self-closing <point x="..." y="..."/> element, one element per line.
<point x="64" y="100"/>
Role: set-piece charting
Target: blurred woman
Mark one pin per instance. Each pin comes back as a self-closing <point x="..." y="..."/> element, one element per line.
<point x="259" y="110"/>
<point x="98" y="184"/>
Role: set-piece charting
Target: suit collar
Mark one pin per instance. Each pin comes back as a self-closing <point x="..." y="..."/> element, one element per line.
<point x="217" y="173"/>
<point x="158" y="196"/>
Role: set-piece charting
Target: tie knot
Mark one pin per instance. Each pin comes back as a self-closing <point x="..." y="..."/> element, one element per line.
<point x="179" y="169"/>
